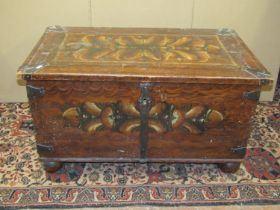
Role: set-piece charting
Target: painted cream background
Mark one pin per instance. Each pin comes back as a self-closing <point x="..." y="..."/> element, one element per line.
<point x="23" y="21"/>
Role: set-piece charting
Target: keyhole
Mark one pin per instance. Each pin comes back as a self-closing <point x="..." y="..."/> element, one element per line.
<point x="144" y="101"/>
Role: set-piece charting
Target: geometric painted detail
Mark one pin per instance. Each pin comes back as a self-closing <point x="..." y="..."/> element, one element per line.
<point x="124" y="117"/>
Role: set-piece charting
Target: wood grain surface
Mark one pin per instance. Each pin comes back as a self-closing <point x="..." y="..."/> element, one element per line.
<point x="216" y="141"/>
<point x="136" y="94"/>
<point x="139" y="54"/>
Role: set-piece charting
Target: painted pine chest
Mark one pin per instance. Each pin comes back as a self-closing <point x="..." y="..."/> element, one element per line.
<point x="131" y="94"/>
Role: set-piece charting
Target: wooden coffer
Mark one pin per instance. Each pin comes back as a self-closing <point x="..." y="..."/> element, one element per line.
<point x="134" y="94"/>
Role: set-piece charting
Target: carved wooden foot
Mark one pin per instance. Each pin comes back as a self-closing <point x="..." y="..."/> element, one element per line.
<point x="52" y="167"/>
<point x="229" y="167"/>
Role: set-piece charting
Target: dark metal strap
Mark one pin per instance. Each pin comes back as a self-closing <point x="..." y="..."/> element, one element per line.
<point x="33" y="92"/>
<point x="44" y="148"/>
<point x="252" y="95"/>
<point x="241" y="150"/>
<point x="144" y="104"/>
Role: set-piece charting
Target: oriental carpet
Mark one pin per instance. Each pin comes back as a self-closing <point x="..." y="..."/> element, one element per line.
<point x="24" y="183"/>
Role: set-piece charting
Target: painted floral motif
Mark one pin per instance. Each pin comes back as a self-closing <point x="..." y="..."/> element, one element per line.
<point x="24" y="183"/>
<point x="167" y="49"/>
<point x="125" y="117"/>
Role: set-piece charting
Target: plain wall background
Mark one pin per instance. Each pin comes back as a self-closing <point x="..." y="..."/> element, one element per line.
<point x="23" y="22"/>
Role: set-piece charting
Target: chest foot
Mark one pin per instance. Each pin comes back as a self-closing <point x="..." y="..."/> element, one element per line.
<point x="229" y="167"/>
<point x="51" y="166"/>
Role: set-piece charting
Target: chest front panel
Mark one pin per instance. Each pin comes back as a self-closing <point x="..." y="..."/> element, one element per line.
<point x="200" y="120"/>
<point x="111" y="120"/>
<point x="88" y="119"/>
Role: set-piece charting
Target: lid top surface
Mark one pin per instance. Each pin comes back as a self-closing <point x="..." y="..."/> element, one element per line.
<point x="146" y="49"/>
<point x="143" y="53"/>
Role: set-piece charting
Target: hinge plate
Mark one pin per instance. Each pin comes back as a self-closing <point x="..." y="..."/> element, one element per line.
<point x="252" y="95"/>
<point x="144" y="105"/>
<point x="44" y="148"/>
<point x="239" y="150"/>
<point x="33" y="92"/>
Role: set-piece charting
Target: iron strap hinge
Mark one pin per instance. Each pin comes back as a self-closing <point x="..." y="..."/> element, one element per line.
<point x="33" y="92"/>
<point x="144" y="105"/>
<point x="239" y="149"/>
<point x="44" y="148"/>
<point x="252" y="95"/>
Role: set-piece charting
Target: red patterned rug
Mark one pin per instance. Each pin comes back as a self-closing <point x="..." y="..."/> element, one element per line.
<point x="24" y="183"/>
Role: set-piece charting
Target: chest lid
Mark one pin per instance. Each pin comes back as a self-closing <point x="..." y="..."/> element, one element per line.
<point x="138" y="54"/>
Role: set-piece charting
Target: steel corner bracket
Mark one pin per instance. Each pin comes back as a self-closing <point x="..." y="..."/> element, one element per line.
<point x="34" y="92"/>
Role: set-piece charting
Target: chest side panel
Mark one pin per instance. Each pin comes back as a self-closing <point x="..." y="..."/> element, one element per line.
<point x="199" y="121"/>
<point x="86" y="119"/>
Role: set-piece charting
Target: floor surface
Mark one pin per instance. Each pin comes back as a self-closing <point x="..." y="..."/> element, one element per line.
<point x="235" y="207"/>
